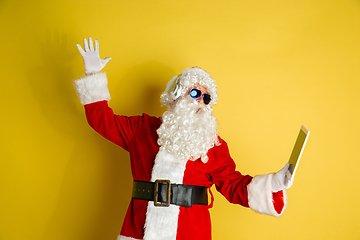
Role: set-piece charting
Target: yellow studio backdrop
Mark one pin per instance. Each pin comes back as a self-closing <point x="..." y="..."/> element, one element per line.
<point x="278" y="64"/>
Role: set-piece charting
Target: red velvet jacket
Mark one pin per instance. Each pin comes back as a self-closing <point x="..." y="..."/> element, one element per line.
<point x="138" y="136"/>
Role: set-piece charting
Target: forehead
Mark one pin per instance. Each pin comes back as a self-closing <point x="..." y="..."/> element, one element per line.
<point x="201" y="88"/>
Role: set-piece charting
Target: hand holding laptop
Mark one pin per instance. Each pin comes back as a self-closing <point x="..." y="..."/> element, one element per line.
<point x="284" y="178"/>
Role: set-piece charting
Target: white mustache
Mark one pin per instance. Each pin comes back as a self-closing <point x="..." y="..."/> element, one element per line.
<point x="195" y="105"/>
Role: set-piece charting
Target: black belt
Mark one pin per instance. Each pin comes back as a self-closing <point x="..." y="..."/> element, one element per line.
<point x="164" y="193"/>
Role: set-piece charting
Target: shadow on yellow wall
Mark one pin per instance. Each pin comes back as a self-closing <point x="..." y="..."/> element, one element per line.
<point x="277" y="64"/>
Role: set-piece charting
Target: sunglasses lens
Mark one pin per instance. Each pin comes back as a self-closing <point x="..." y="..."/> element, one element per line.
<point x="195" y="93"/>
<point x="206" y="99"/>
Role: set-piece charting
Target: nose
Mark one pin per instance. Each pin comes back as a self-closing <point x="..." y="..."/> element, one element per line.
<point x="200" y="100"/>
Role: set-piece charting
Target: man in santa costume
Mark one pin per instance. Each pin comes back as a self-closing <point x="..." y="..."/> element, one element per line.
<point x="176" y="158"/>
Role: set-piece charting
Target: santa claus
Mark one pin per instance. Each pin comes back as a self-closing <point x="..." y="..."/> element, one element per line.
<point x="176" y="158"/>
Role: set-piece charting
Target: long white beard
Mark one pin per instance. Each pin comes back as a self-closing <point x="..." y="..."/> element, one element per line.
<point x="188" y="130"/>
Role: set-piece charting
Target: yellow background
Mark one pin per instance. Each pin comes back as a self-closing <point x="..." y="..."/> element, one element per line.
<point x="278" y="64"/>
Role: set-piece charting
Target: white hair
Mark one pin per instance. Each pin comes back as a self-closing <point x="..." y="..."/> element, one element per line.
<point x="188" y="130"/>
<point x="186" y="80"/>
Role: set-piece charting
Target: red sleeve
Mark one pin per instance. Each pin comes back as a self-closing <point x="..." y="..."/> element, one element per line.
<point x="116" y="128"/>
<point x="278" y="201"/>
<point x="229" y="182"/>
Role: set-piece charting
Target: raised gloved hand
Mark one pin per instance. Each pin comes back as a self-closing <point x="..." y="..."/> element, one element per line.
<point x="92" y="61"/>
<point x="282" y="179"/>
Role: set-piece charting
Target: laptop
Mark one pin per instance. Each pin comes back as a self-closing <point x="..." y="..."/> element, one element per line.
<point x="298" y="150"/>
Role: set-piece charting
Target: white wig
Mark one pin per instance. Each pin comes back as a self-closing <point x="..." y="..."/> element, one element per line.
<point x="180" y="84"/>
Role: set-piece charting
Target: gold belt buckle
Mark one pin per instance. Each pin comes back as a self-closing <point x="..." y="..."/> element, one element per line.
<point x="156" y="191"/>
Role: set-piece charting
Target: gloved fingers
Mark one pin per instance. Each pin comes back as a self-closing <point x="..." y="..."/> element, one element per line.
<point x="105" y="61"/>
<point x="96" y="46"/>
<point x="80" y="49"/>
<point x="287" y="176"/>
<point x="282" y="179"/>
<point x="91" y="45"/>
<point x="284" y="169"/>
<point x="288" y="180"/>
<point x="86" y="46"/>
<point x="287" y="166"/>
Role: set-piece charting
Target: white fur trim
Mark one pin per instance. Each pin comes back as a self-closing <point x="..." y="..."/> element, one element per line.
<point x="126" y="238"/>
<point x="260" y="195"/>
<point x="161" y="222"/>
<point x="92" y="88"/>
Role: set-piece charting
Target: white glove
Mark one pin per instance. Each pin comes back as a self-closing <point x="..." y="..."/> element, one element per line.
<point x="282" y="179"/>
<point x="92" y="61"/>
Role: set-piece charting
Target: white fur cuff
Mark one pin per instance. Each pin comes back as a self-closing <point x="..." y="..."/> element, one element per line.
<point x="260" y="195"/>
<point x="92" y="88"/>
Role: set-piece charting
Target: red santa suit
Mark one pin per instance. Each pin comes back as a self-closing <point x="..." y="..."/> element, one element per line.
<point x="138" y="136"/>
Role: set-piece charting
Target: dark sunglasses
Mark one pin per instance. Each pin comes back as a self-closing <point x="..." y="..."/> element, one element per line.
<point x="196" y="93"/>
